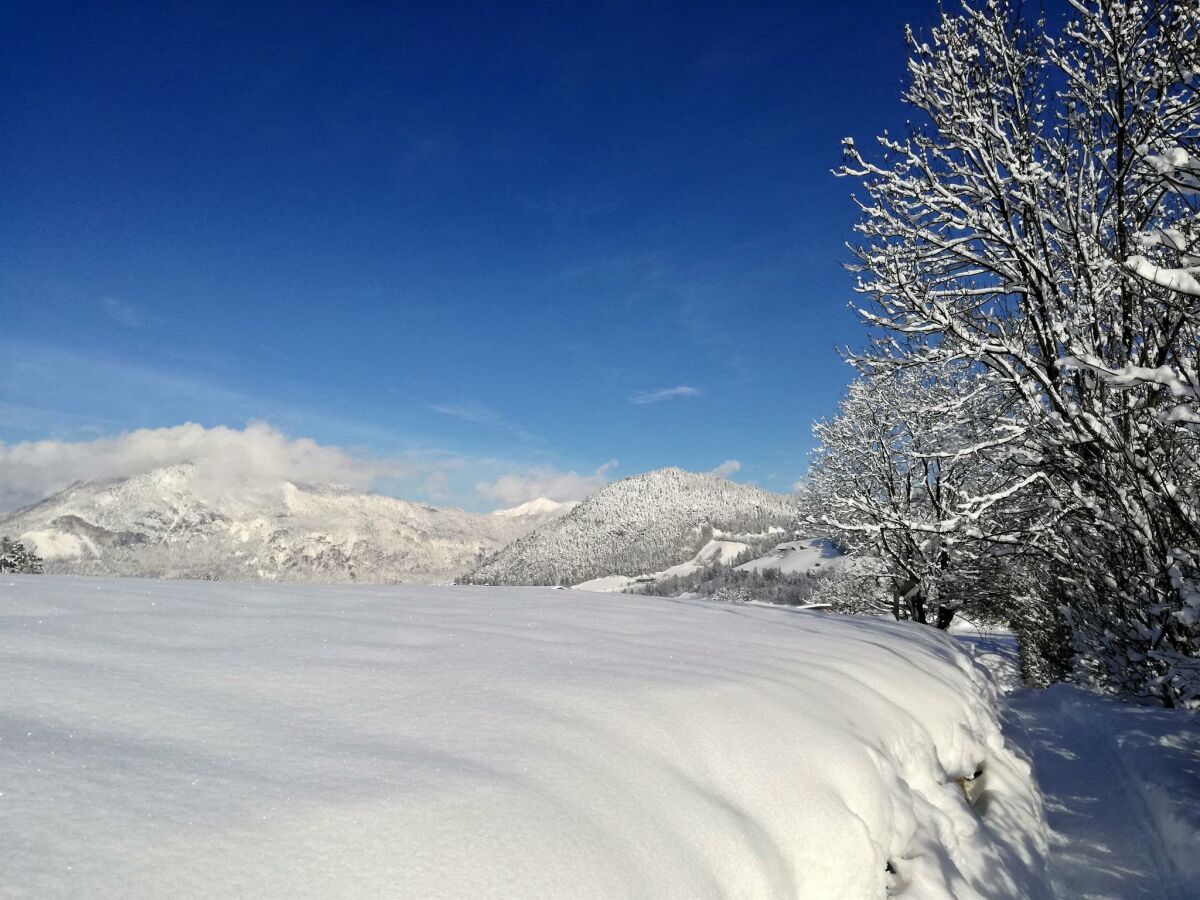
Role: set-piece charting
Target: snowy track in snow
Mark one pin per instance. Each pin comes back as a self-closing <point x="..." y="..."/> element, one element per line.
<point x="1122" y="792"/>
<point x="1121" y="783"/>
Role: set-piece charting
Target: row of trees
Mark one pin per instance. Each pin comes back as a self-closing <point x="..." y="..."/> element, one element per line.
<point x="1026" y="424"/>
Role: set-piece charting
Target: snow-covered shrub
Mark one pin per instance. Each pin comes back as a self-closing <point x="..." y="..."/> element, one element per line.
<point x="14" y="557"/>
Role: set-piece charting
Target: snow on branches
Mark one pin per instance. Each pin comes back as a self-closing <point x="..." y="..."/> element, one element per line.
<point x="917" y="472"/>
<point x="1036" y="228"/>
<point x="14" y="557"/>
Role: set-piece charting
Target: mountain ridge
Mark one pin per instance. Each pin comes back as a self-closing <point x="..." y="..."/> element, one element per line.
<point x="177" y="522"/>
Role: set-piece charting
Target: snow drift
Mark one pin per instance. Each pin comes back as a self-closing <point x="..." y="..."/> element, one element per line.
<point x="221" y="739"/>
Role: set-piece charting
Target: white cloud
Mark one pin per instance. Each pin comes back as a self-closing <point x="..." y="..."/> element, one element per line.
<point x="466" y="412"/>
<point x="227" y="458"/>
<point x="518" y="487"/>
<point x="727" y="468"/>
<point x="661" y="394"/>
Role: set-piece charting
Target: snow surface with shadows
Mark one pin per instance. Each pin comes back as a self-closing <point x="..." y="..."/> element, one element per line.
<point x="1120" y="781"/>
<point x="187" y="739"/>
<point x="1122" y="792"/>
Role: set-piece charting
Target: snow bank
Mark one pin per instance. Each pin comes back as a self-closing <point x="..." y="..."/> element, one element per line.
<point x="221" y="739"/>
<point x="994" y="648"/>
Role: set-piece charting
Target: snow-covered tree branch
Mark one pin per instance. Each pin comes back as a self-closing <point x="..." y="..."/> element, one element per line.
<point x="1037" y="225"/>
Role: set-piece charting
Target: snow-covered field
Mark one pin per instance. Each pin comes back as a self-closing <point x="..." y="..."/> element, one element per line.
<point x="220" y="739"/>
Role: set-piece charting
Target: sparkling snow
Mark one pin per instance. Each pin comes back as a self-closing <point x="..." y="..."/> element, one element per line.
<point x="1122" y="787"/>
<point x="222" y="739"/>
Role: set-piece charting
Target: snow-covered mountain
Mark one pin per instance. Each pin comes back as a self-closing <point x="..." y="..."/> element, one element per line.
<point x="541" y="507"/>
<point x="642" y="524"/>
<point x="172" y="523"/>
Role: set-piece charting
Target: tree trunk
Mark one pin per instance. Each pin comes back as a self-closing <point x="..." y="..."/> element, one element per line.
<point x="945" y="615"/>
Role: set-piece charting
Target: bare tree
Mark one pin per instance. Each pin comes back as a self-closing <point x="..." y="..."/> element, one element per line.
<point x="1021" y="228"/>
<point x="907" y="474"/>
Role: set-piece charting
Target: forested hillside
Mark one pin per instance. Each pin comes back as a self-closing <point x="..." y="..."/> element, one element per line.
<point x="641" y="524"/>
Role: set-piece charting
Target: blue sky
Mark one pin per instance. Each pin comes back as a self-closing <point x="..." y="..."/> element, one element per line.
<point x="500" y="239"/>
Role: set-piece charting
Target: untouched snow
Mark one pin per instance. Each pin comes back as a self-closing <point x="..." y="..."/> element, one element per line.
<point x="542" y="507"/>
<point x="606" y="584"/>
<point x="713" y="553"/>
<point x="223" y="739"/>
<point x="810" y="555"/>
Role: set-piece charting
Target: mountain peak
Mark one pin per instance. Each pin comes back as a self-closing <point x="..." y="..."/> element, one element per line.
<point x="542" y="506"/>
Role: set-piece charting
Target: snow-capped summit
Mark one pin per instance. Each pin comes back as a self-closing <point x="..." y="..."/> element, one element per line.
<point x="542" y="507"/>
<point x="184" y="521"/>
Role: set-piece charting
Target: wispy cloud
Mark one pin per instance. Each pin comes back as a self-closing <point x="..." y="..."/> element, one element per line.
<point x="467" y="413"/>
<point x="679" y="392"/>
<point x="704" y="320"/>
<point x="481" y="415"/>
<point x="544" y="481"/>
<point x="260" y="456"/>
<point x="727" y="468"/>
<point x="436" y="486"/>
<point x="123" y="313"/>
<point x="60" y="390"/>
